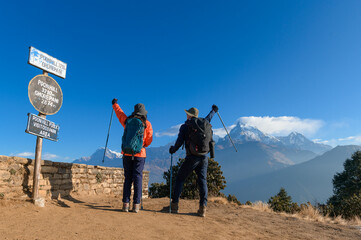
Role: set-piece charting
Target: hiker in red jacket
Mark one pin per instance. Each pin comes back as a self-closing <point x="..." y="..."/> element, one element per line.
<point x="133" y="150"/>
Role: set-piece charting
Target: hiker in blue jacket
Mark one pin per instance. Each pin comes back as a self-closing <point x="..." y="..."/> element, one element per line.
<point x="192" y="162"/>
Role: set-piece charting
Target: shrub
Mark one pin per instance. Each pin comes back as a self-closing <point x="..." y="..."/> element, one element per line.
<point x="283" y="203"/>
<point x="232" y="198"/>
<point x="158" y="190"/>
<point x="249" y="203"/>
<point x="12" y="171"/>
<point x="99" y="177"/>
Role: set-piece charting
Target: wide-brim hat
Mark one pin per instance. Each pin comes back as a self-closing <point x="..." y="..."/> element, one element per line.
<point x="193" y="112"/>
<point x="139" y="109"/>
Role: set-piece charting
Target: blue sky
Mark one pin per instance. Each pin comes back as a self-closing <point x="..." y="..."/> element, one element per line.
<point x="280" y="65"/>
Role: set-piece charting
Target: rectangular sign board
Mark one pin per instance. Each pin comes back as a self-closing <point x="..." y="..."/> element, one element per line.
<point x="41" y="127"/>
<point x="47" y="63"/>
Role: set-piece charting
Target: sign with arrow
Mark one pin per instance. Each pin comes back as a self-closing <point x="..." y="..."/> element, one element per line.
<point x="47" y="63"/>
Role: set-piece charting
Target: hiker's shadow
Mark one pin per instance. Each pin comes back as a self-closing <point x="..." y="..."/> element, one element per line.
<point x="62" y="203"/>
<point x="165" y="210"/>
<point x="70" y="198"/>
<point x="103" y="208"/>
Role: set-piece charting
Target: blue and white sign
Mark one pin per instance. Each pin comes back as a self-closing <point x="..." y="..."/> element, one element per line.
<point x="47" y="63"/>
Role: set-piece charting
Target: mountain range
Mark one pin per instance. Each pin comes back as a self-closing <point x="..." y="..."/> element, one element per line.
<point x="244" y="133"/>
<point x="258" y="153"/>
<point x="252" y="172"/>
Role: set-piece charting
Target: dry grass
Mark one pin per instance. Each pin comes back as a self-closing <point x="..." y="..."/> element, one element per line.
<point x="220" y="200"/>
<point x="340" y="220"/>
<point x="356" y="221"/>
<point x="260" y="206"/>
<point x="308" y="213"/>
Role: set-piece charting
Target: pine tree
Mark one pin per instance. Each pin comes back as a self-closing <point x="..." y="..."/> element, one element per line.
<point x="282" y="202"/>
<point x="346" y="200"/>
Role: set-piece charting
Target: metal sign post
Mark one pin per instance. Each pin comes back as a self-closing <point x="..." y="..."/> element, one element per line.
<point x="46" y="96"/>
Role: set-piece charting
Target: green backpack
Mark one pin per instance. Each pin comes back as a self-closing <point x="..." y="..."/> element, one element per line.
<point x="132" y="140"/>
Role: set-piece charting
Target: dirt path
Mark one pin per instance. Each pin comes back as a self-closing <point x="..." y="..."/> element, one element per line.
<point x="95" y="218"/>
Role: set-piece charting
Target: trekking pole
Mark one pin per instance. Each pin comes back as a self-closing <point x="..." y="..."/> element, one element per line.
<point x="170" y="183"/>
<point x="106" y="143"/>
<point x="227" y="132"/>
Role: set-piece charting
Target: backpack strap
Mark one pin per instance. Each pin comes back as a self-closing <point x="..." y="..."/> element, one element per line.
<point x="144" y="121"/>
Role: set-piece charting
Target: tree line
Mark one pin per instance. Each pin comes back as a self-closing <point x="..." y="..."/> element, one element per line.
<point x="345" y="201"/>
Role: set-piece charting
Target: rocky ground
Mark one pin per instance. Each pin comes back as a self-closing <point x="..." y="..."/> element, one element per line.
<point x="99" y="218"/>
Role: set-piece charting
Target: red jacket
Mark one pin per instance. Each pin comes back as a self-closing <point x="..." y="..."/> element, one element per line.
<point x="148" y="132"/>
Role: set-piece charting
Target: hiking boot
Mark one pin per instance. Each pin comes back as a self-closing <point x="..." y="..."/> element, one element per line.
<point x="136" y="207"/>
<point x="202" y="211"/>
<point x="174" y="207"/>
<point x="125" y="207"/>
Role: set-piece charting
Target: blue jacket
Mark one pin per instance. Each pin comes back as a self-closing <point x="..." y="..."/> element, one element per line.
<point x="183" y="133"/>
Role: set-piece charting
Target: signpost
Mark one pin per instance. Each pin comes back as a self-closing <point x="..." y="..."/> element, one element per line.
<point x="46" y="96"/>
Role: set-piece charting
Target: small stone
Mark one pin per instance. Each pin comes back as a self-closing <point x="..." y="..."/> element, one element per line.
<point x="40" y="202"/>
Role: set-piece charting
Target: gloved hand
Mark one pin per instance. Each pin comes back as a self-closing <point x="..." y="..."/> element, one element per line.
<point x="114" y="101"/>
<point x="172" y="150"/>
<point x="214" y="108"/>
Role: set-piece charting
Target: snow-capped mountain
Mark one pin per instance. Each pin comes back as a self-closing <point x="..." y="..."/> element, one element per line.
<point x="245" y="133"/>
<point x="111" y="159"/>
<point x="297" y="140"/>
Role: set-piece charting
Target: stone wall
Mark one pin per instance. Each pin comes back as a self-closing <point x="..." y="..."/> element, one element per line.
<point x="60" y="179"/>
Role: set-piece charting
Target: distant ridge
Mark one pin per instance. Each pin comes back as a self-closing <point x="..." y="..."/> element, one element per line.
<point x="308" y="181"/>
<point x="297" y="140"/>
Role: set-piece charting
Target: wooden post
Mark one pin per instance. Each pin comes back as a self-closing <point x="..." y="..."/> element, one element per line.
<point x="37" y="165"/>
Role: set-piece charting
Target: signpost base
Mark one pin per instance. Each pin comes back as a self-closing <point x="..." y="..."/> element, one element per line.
<point x="37" y="169"/>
